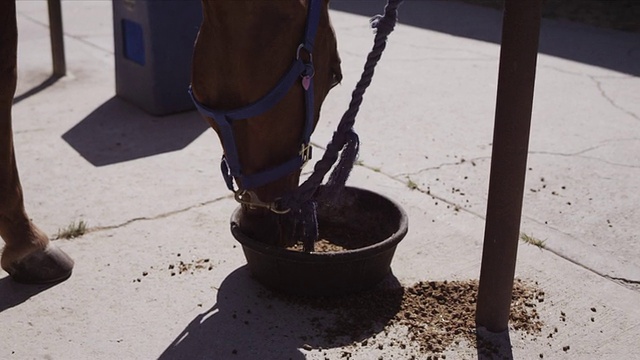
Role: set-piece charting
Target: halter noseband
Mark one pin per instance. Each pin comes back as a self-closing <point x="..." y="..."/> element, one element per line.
<point x="230" y="164"/>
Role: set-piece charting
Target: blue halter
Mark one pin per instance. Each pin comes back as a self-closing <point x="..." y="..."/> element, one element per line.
<point x="300" y="68"/>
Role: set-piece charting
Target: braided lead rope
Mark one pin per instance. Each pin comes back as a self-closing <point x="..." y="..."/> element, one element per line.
<point x="344" y="139"/>
<point x="384" y="26"/>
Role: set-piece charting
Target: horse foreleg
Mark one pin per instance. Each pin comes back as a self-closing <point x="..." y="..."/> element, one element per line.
<point x="28" y="255"/>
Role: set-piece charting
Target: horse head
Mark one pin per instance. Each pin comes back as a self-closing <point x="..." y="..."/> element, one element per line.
<point x="244" y="49"/>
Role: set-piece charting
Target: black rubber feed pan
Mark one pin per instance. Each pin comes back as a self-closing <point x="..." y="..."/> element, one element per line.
<point x="367" y="226"/>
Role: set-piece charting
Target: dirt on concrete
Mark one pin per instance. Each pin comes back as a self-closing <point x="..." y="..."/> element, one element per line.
<point x="437" y="316"/>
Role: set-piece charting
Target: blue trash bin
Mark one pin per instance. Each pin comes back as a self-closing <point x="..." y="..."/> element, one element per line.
<point x="153" y="50"/>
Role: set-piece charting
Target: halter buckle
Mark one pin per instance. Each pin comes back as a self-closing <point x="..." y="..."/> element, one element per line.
<point x="250" y="198"/>
<point x="305" y="153"/>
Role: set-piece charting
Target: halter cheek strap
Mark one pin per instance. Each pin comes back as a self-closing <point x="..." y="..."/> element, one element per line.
<point x="300" y="68"/>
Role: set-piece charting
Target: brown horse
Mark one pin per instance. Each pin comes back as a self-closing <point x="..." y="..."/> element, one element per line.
<point x="242" y="50"/>
<point x="28" y="255"/>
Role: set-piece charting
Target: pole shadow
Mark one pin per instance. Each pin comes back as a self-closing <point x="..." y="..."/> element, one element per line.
<point x="250" y="322"/>
<point x="117" y="132"/>
<point x="36" y="89"/>
<point x="493" y="345"/>
<point x="611" y="49"/>
<point x="13" y="294"/>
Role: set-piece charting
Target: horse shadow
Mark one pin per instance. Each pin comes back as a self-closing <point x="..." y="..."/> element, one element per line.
<point x="251" y="322"/>
<point x="13" y="294"/>
<point x="118" y="131"/>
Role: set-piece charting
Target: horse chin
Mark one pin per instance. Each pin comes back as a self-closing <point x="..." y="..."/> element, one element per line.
<point x="267" y="227"/>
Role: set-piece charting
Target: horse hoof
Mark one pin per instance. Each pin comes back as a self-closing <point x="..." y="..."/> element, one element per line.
<point x="45" y="266"/>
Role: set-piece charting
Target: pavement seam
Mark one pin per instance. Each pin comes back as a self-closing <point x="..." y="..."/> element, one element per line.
<point x="626" y="283"/>
<point x="65" y="34"/>
<point x="633" y="284"/>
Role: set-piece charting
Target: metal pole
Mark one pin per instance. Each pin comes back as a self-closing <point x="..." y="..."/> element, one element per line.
<point x="57" y="39"/>
<point x="518" y="54"/>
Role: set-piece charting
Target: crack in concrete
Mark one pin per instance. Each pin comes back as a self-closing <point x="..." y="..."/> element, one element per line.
<point x="398" y="178"/>
<point x="156" y="217"/>
<point x="456" y="206"/>
<point x="33" y="20"/>
<point x="591" y="148"/>
<point x="563" y="71"/>
<point x="610" y="162"/>
<point x="583" y="74"/>
<point x="585" y="157"/>
<point x="611" y="100"/>
<point x="460" y="162"/>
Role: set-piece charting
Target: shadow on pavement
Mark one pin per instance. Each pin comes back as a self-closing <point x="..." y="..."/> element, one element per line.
<point x="118" y="131"/>
<point x="52" y="79"/>
<point x="614" y="50"/>
<point x="493" y="345"/>
<point x="13" y="293"/>
<point x="250" y="322"/>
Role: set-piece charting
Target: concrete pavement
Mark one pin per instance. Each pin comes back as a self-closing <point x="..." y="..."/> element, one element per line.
<point x="151" y="193"/>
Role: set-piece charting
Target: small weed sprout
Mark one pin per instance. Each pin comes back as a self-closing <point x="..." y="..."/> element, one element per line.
<point x="73" y="230"/>
<point x="411" y="184"/>
<point x="532" y="240"/>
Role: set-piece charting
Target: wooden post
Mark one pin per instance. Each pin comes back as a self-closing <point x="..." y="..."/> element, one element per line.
<point x="57" y="38"/>
<point x="518" y="55"/>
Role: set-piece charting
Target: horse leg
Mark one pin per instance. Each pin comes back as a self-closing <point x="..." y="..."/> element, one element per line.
<point x="28" y="255"/>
